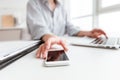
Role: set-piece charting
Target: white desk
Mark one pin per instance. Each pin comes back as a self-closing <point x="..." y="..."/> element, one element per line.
<point x="86" y="64"/>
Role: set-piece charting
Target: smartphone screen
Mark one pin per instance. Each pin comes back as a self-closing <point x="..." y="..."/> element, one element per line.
<point x="58" y="55"/>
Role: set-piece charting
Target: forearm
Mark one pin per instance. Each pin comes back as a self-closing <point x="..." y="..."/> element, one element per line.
<point x="84" y="33"/>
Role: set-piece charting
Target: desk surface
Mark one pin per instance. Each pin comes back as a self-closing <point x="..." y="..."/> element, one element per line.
<point x="85" y="64"/>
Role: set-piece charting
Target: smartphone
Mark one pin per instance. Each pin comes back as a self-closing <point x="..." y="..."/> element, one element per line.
<point x="56" y="58"/>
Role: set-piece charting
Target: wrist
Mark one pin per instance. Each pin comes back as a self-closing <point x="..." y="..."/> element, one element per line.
<point x="47" y="36"/>
<point x="84" y="33"/>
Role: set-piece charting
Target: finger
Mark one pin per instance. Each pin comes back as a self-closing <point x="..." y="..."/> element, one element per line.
<point x="45" y="54"/>
<point x="62" y="43"/>
<point x="102" y="32"/>
<point x="43" y="51"/>
<point x="106" y="36"/>
<point x="38" y="54"/>
<point x="47" y="44"/>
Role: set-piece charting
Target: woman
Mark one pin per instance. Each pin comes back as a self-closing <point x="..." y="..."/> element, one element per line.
<point x="47" y="20"/>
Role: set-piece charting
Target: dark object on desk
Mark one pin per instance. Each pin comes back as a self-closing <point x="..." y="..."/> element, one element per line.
<point x="17" y="56"/>
<point x="56" y="57"/>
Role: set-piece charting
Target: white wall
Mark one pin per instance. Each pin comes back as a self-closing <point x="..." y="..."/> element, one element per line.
<point x="14" y="7"/>
<point x="109" y="16"/>
<point x="81" y="12"/>
<point x="13" y="3"/>
<point x="110" y="22"/>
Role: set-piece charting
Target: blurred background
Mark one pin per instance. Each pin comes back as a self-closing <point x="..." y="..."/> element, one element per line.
<point x="87" y="14"/>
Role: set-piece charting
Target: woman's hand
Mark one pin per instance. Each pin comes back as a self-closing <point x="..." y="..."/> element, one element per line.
<point x="51" y="40"/>
<point x="95" y="33"/>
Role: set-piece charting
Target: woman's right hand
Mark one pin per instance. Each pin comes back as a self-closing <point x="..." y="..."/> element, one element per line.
<point x="49" y="41"/>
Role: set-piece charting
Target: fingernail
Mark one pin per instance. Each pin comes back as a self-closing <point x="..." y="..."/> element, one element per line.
<point x="44" y="58"/>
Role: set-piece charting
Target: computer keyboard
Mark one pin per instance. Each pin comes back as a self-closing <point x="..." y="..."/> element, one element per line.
<point x="111" y="41"/>
<point x="98" y="41"/>
<point x="104" y="41"/>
